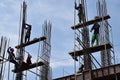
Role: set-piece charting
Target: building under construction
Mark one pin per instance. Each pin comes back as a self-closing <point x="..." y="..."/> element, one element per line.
<point x="91" y="69"/>
<point x="41" y="68"/>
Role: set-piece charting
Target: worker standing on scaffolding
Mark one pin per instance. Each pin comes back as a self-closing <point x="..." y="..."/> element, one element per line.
<point x="80" y="11"/>
<point x="27" y="63"/>
<point x="27" y="36"/>
<point x="95" y="36"/>
<point x="12" y="57"/>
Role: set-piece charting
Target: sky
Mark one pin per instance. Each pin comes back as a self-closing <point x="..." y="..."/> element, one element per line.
<point x="61" y="14"/>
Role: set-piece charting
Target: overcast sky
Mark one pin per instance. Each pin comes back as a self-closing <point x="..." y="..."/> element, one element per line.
<point x="61" y="14"/>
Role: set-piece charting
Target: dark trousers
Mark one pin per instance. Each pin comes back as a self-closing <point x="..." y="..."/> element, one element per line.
<point x="15" y="63"/>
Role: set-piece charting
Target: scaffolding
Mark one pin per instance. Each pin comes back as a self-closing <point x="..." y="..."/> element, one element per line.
<point x="107" y="69"/>
<point x="46" y="52"/>
<point x="81" y="39"/>
<point x="21" y="39"/>
<point x="82" y="47"/>
<point x="107" y="56"/>
<point x="41" y="68"/>
<point x="3" y="45"/>
<point x="43" y="58"/>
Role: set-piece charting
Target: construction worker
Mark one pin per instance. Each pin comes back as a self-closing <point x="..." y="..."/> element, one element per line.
<point x="28" y="32"/>
<point x="81" y="68"/>
<point x="75" y="58"/>
<point x="80" y="12"/>
<point x="95" y="36"/>
<point x="25" y="65"/>
<point x="1" y="60"/>
<point x="28" y="60"/>
<point x="12" y="57"/>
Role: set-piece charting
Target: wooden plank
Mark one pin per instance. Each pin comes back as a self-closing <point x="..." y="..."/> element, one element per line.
<point x="92" y="49"/>
<point x="30" y="42"/>
<point x="26" y="67"/>
<point x="81" y="25"/>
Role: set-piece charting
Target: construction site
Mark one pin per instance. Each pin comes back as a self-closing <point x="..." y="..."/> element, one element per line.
<point x="90" y="67"/>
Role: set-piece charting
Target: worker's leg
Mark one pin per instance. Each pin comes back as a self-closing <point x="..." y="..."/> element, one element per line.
<point x="25" y="38"/>
<point x="80" y="17"/>
<point x="97" y="39"/>
<point x="28" y="38"/>
<point x="93" y="40"/>
<point x="16" y="64"/>
<point x="75" y="58"/>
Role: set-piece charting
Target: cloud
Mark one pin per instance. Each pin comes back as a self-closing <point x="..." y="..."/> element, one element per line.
<point x="61" y="14"/>
<point x="62" y="63"/>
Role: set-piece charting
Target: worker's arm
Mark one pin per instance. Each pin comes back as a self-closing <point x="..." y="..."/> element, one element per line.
<point x="76" y="6"/>
<point x="8" y="50"/>
<point x="28" y="24"/>
<point x="91" y="29"/>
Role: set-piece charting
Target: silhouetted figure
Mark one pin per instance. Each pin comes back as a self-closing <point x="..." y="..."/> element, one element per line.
<point x="75" y="58"/>
<point x="81" y="68"/>
<point x="1" y="60"/>
<point x="25" y="65"/>
<point x="95" y="36"/>
<point x="28" y="60"/>
<point x="12" y="57"/>
<point x="80" y="12"/>
<point x="28" y="33"/>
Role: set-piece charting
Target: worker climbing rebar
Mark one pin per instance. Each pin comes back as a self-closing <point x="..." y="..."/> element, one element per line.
<point x="95" y="36"/>
<point x="12" y="57"/>
<point x="28" y="33"/>
<point x="80" y="11"/>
